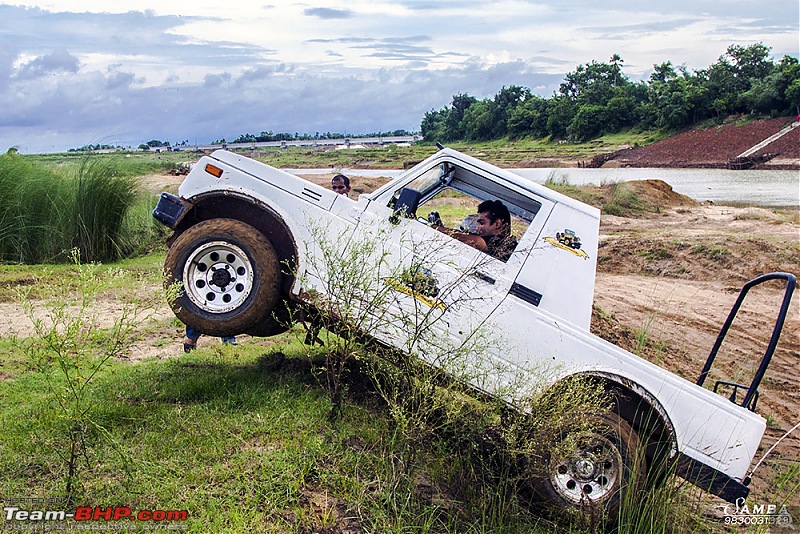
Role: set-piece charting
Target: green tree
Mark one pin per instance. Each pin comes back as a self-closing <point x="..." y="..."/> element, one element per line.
<point x="663" y="73"/>
<point x="733" y="75"/>
<point x="616" y="69"/>
<point x="587" y="123"/>
<point x="751" y="62"/>
<point x="560" y="114"/>
<point x="773" y="94"/>
<point x="622" y="110"/>
<point x="529" y="118"/>
<point x="155" y="143"/>
<point x="605" y="99"/>
<point x="479" y="121"/>
<point x="454" y="123"/>
<point x="593" y="83"/>
<point x="676" y="101"/>
<point x="504" y="104"/>
<point x="743" y="79"/>
<point x="432" y="127"/>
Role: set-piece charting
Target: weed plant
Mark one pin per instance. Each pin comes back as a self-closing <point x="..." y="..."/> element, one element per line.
<point x="32" y="211"/>
<point x="69" y="352"/>
<point x="140" y="233"/>
<point x="614" y="198"/>
<point x="101" y="202"/>
<point x="425" y="379"/>
<point x="560" y="182"/>
<point x="624" y="200"/>
<point x="240" y="437"/>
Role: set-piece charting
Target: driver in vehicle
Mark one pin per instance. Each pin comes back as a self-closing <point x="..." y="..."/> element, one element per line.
<point x="493" y="230"/>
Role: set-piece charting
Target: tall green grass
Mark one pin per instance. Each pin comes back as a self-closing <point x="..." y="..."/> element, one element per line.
<point x="240" y="437"/>
<point x="613" y="198"/>
<point x="94" y="207"/>
<point x="101" y="200"/>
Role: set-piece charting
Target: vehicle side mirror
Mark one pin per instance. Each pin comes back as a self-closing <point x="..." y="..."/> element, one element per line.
<point x="406" y="205"/>
<point x="446" y="172"/>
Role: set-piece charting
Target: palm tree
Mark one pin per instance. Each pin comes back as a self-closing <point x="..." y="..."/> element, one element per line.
<point x="616" y="68"/>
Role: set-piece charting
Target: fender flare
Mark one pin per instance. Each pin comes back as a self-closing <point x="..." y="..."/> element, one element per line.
<point x="630" y="409"/>
<point x="272" y="221"/>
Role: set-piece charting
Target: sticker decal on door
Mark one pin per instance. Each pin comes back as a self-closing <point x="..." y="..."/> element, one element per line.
<point x="569" y="241"/>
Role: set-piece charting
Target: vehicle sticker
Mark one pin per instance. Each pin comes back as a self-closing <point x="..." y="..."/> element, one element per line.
<point x="428" y="301"/>
<point x="569" y="241"/>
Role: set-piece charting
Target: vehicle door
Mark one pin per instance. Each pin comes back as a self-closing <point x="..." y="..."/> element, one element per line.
<point x="443" y="290"/>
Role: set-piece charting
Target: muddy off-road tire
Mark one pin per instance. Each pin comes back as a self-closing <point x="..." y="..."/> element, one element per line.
<point x="591" y="471"/>
<point x="230" y="276"/>
<point x="279" y="321"/>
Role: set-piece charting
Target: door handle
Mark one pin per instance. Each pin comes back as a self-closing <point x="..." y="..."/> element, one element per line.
<point x="483" y="276"/>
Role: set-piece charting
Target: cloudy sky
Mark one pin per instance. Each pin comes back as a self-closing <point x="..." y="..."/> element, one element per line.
<point x="121" y="72"/>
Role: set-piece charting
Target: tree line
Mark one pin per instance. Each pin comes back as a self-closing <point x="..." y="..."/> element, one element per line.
<point x="598" y="98"/>
<point x="266" y="137"/>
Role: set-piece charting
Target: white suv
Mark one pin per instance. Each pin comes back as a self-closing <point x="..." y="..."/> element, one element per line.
<point x="246" y="244"/>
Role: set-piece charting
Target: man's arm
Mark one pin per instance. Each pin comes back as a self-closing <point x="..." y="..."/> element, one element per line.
<point x="472" y="240"/>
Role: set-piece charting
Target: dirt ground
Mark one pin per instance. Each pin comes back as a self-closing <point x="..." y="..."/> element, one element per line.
<point x="714" y="147"/>
<point x="672" y="279"/>
<point x="665" y="285"/>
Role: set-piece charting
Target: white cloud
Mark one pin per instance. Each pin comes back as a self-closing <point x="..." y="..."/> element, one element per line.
<point x="82" y="71"/>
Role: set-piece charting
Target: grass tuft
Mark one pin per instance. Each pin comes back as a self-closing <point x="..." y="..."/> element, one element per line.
<point x="94" y="207"/>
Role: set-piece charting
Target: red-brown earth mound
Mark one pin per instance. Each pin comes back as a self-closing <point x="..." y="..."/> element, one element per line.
<point x="715" y="147"/>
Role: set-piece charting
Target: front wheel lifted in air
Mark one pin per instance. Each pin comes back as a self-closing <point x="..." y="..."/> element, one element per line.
<point x="229" y="274"/>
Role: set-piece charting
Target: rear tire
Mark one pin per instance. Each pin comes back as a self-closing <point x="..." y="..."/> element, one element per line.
<point x="230" y="277"/>
<point x="589" y="472"/>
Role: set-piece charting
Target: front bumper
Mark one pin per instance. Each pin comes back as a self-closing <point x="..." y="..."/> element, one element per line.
<point x="170" y="210"/>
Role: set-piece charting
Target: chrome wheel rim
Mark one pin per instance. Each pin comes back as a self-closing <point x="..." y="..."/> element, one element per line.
<point x="590" y="473"/>
<point x="218" y="277"/>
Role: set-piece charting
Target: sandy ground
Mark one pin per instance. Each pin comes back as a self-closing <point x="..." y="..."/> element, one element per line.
<point x="677" y="275"/>
<point x="671" y="277"/>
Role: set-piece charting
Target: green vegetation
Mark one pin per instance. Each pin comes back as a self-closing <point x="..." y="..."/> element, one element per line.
<point x="598" y="99"/>
<point x="122" y="163"/>
<point x="421" y="380"/>
<point x="615" y="198"/>
<point x="68" y="354"/>
<point x="92" y="205"/>
<point x="504" y="153"/>
<point x="241" y="437"/>
<point x="386" y="157"/>
<point x="250" y="448"/>
<point x="712" y="252"/>
<point x="251" y="445"/>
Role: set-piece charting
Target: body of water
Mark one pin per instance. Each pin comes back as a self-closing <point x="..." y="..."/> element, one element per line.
<point x="771" y="188"/>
